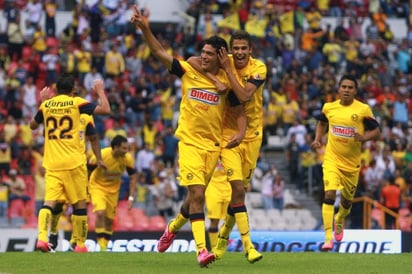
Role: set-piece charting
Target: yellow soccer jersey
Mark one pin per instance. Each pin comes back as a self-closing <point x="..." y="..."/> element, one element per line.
<point x="201" y="108"/>
<point x="110" y="178"/>
<point x="60" y="115"/>
<point x="344" y="121"/>
<point x="255" y="73"/>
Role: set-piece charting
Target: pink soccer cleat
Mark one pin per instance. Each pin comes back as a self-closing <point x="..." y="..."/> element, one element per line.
<point x="165" y="240"/>
<point x="328" y="245"/>
<point x="204" y="258"/>
<point x="338" y="229"/>
<point x="43" y="246"/>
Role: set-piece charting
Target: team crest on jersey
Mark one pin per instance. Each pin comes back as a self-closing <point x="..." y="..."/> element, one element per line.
<point x="354" y="117"/>
<point x="343" y="131"/>
<point x="189" y="176"/>
<point x="204" y="96"/>
<point x="229" y="172"/>
<point x="257" y="76"/>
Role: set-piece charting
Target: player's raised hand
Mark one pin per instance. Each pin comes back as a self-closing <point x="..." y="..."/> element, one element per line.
<point x="46" y="93"/>
<point x="98" y="85"/>
<point x="223" y="58"/>
<point x="140" y="17"/>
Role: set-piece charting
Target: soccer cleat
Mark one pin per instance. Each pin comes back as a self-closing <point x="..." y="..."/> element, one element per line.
<point x="53" y="240"/>
<point x="338" y="229"/>
<point x="79" y="249"/>
<point x="252" y="256"/>
<point x="204" y="258"/>
<point x="220" y="248"/>
<point x="43" y="246"/>
<point x="328" y="245"/>
<point x="165" y="240"/>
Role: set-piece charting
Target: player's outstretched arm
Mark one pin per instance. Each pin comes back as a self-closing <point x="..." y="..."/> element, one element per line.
<point x="142" y="21"/>
<point x="104" y="106"/>
<point x="320" y="131"/>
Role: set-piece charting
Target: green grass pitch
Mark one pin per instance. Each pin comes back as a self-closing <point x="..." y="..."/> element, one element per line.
<point x="185" y="263"/>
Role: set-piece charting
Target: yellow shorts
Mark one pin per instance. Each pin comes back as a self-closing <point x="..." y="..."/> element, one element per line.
<point x="337" y="179"/>
<point x="240" y="162"/>
<point x="196" y="166"/>
<point x="218" y="194"/>
<point x="66" y="184"/>
<point x="102" y="200"/>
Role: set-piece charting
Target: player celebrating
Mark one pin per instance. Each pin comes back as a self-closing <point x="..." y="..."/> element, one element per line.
<point x="247" y="77"/>
<point x="349" y="123"/>
<point x="199" y="131"/>
<point x="64" y="161"/>
<point x="104" y="186"/>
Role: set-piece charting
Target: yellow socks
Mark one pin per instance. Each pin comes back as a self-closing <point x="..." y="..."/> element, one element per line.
<point x="243" y="227"/>
<point x="227" y="227"/>
<point x="45" y="216"/>
<point x="79" y="229"/>
<point x="176" y="224"/>
<point x="342" y="213"/>
<point x="327" y="216"/>
<point x="212" y="238"/>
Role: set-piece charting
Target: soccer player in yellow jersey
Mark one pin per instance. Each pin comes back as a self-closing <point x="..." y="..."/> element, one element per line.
<point x="64" y="159"/>
<point x="218" y="193"/>
<point x="88" y="130"/>
<point x="349" y="123"/>
<point x="199" y="131"/>
<point x="104" y="186"/>
<point x="247" y="77"/>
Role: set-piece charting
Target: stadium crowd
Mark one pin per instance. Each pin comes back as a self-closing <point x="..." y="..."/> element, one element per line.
<point x="303" y="56"/>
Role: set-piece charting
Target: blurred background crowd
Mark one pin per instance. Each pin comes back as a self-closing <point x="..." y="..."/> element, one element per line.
<point x="304" y="55"/>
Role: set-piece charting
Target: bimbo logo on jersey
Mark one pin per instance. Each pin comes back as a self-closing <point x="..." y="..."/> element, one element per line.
<point x="204" y="96"/>
<point x="343" y="131"/>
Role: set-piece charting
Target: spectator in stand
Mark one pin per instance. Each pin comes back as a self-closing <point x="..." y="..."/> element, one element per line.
<point x="164" y="192"/>
<point x="170" y="145"/>
<point x="145" y="162"/>
<point x="293" y="160"/>
<point x="299" y="130"/>
<point x="114" y="62"/>
<point x="34" y="11"/>
<point x="17" y="187"/>
<point x="278" y="192"/>
<point x="268" y="180"/>
<point x="39" y="41"/>
<point x="51" y="60"/>
<point x="29" y="97"/>
<point x="83" y="62"/>
<point x="4" y="198"/>
<point x="90" y="77"/>
<point x="391" y="198"/>
<point x="15" y="39"/>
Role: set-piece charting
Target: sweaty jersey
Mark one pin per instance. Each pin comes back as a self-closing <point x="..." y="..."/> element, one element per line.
<point x="201" y="108"/>
<point x="109" y="179"/>
<point x="344" y="121"/>
<point x="60" y="115"/>
<point x="255" y="73"/>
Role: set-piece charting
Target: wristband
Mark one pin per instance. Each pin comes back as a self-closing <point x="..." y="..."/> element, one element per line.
<point x="131" y="198"/>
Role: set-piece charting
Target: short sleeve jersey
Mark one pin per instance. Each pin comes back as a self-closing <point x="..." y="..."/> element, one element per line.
<point x="201" y="108"/>
<point x="110" y="179"/>
<point x="344" y="121"/>
<point x="63" y="149"/>
<point x="255" y="73"/>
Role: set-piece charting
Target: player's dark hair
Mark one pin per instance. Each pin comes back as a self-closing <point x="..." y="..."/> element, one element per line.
<point x="216" y="42"/>
<point x="65" y="84"/>
<point x="117" y="141"/>
<point x="350" y="78"/>
<point x="240" y="35"/>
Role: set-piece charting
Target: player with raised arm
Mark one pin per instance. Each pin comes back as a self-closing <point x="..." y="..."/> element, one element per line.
<point x="64" y="160"/>
<point x="199" y="131"/>
<point x="247" y="77"/>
